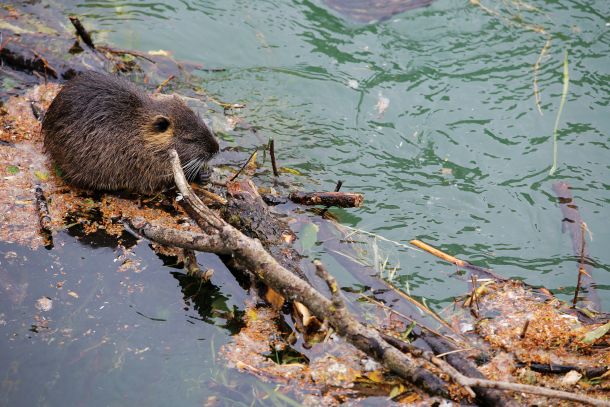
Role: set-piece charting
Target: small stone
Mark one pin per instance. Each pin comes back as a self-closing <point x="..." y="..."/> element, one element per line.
<point x="44" y="304"/>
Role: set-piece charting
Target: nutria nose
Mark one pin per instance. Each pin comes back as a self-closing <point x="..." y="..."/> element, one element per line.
<point x="214" y="146"/>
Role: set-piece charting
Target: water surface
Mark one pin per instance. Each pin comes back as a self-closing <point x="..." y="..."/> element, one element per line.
<point x="430" y="113"/>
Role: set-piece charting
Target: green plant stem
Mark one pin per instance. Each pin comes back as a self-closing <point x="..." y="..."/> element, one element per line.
<point x="564" y="96"/>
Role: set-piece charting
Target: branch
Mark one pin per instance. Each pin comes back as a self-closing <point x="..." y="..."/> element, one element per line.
<point x="177" y="238"/>
<point x="251" y="253"/>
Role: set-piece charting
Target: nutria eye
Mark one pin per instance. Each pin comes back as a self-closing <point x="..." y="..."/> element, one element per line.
<point x="161" y="123"/>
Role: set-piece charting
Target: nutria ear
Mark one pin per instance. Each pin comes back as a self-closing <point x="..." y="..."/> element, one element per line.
<point x="160" y="123"/>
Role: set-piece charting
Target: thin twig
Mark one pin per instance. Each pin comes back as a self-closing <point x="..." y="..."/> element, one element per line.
<point x="458" y="262"/>
<point x="243" y="166"/>
<point x="272" y="154"/>
<point x="117" y="51"/>
<point x="211" y="195"/>
<point x="335" y="293"/>
<point x="581" y="265"/>
<point x="163" y="84"/>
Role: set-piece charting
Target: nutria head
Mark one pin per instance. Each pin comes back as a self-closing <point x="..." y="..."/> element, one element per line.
<point x="105" y="134"/>
<point x="174" y="125"/>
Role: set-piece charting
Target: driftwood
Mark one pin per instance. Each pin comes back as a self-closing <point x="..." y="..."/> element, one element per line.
<point x="222" y="238"/>
<point x="339" y="199"/>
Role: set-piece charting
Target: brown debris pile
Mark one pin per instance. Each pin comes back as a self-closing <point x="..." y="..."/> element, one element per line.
<point x="332" y="372"/>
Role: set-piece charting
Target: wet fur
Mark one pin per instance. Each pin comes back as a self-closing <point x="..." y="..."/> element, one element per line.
<point x="100" y="131"/>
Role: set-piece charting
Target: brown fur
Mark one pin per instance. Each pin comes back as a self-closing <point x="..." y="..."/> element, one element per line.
<point x="105" y="134"/>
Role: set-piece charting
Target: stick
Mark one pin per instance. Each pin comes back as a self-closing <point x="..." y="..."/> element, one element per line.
<point x="211" y="195"/>
<point x="461" y="364"/>
<point x="81" y="31"/>
<point x="43" y="209"/>
<point x="581" y="264"/>
<point x="458" y="262"/>
<point x="543" y="52"/>
<point x="44" y="217"/>
<point x="551" y="368"/>
<point x="117" y="51"/>
<point x="243" y="166"/>
<point x="272" y="154"/>
<point x="339" y="199"/>
<point x="163" y="84"/>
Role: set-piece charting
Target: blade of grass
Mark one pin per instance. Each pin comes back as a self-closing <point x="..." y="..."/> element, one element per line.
<point x="564" y="95"/>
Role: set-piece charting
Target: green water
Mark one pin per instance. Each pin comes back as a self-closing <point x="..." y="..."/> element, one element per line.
<point x="431" y="114"/>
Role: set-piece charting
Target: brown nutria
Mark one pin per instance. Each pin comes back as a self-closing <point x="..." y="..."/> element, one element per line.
<point x="106" y="134"/>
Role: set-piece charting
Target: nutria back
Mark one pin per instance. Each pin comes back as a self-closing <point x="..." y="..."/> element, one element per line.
<point x="106" y="134"/>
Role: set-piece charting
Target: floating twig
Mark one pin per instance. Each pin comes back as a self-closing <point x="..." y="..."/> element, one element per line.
<point x="581" y="263"/>
<point x="458" y="262"/>
<point x="573" y="222"/>
<point x="337" y="188"/>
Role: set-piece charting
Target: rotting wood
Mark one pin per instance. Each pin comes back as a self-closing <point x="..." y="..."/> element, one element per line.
<point x="338" y="199"/>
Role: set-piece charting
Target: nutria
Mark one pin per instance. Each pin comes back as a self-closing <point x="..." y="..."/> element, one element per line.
<point x="106" y="134"/>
